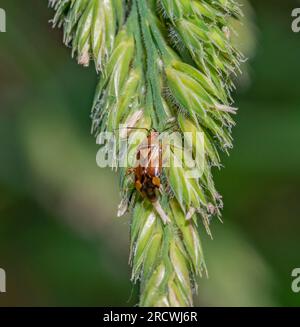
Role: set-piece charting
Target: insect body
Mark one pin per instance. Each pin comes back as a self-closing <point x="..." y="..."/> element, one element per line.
<point x="149" y="167"/>
<point x="147" y="171"/>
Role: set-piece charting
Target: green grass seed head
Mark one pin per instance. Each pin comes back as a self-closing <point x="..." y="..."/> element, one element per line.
<point x="164" y="66"/>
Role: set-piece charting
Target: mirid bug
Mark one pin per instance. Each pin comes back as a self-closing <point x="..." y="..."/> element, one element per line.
<point x="148" y="170"/>
<point x="149" y="167"/>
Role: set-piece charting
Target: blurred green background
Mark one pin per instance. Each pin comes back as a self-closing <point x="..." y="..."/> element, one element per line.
<point x="60" y="240"/>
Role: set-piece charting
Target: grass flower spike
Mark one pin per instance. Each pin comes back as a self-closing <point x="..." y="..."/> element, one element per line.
<point x="165" y="68"/>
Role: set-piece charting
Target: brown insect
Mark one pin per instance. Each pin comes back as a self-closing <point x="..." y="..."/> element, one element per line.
<point x="149" y="167"/>
<point x="148" y="171"/>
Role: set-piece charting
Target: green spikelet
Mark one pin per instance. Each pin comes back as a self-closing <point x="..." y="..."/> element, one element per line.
<point x="163" y="65"/>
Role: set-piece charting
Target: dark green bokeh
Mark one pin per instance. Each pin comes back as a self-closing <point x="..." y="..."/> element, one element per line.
<point x="60" y="242"/>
